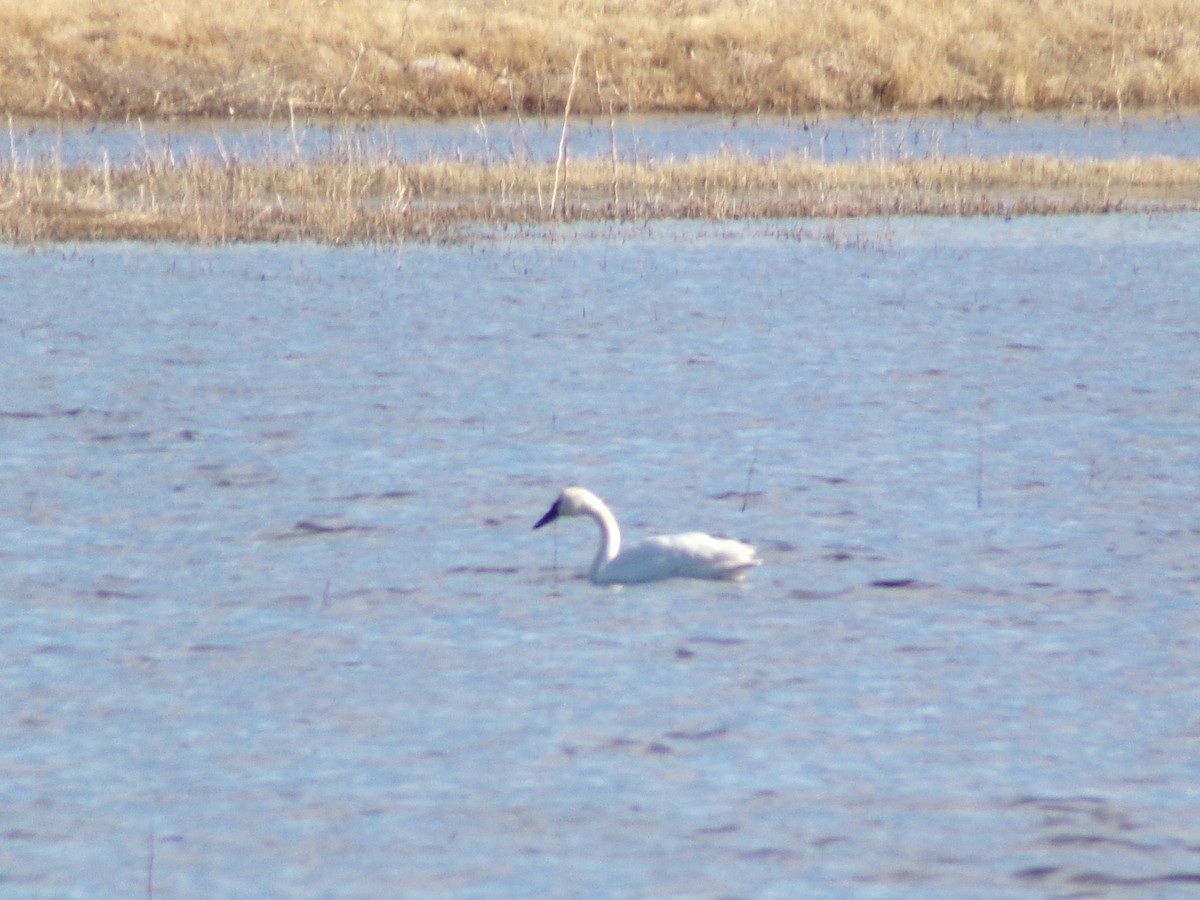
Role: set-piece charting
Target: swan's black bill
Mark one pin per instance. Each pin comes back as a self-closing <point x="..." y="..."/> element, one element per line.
<point x="550" y="516"/>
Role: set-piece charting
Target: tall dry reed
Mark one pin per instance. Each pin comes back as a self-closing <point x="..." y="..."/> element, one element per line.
<point x="118" y="58"/>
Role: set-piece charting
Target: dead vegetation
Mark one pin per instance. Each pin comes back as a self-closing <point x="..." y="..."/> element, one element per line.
<point x="264" y="58"/>
<point x="348" y="201"/>
<point x="358" y="58"/>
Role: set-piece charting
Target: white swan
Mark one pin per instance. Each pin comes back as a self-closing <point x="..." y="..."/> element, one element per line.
<point x="690" y="555"/>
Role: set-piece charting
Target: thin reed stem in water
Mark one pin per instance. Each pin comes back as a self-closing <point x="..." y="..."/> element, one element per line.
<point x="150" y="863"/>
<point x="561" y="165"/>
<point x="749" y="475"/>
<point x="979" y="465"/>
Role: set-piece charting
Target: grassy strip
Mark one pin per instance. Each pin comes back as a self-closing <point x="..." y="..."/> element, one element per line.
<point x="273" y="58"/>
<point x="201" y="200"/>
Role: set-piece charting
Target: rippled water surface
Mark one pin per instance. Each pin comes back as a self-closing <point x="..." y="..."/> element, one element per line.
<point x="275" y="623"/>
<point x="634" y="138"/>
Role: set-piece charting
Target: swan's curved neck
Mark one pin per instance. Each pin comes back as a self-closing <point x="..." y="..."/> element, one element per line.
<point x="610" y="537"/>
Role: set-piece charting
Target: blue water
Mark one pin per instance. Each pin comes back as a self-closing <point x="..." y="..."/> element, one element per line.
<point x="275" y="623"/>
<point x="639" y="139"/>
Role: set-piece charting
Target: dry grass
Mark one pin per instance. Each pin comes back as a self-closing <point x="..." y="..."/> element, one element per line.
<point x="346" y="201"/>
<point x="120" y="58"/>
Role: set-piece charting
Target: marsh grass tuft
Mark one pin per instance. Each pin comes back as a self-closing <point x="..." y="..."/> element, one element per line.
<point x="346" y="200"/>
<point x="271" y="58"/>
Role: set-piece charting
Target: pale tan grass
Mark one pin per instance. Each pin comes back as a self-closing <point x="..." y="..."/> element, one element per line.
<point x="342" y="201"/>
<point x="115" y="58"/>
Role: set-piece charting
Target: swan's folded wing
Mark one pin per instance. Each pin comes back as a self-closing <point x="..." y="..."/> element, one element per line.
<point x="690" y="555"/>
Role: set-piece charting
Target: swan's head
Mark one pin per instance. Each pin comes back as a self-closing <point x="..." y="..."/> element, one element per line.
<point x="574" y="501"/>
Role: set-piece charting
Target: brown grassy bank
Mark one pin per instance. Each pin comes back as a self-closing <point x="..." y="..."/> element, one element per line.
<point x="344" y="202"/>
<point x="121" y="58"/>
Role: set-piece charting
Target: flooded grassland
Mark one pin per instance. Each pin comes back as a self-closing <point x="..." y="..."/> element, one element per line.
<point x="395" y="182"/>
<point x="347" y="202"/>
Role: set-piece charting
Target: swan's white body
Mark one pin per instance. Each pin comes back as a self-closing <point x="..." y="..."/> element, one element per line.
<point x="690" y="555"/>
